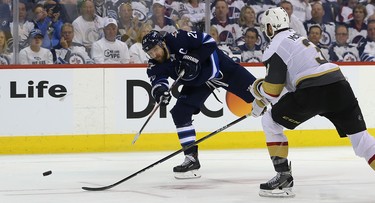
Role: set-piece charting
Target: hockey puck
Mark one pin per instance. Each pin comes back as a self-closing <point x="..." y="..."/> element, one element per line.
<point x="47" y="173"/>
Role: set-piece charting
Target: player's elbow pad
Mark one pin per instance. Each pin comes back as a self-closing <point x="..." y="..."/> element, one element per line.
<point x="271" y="91"/>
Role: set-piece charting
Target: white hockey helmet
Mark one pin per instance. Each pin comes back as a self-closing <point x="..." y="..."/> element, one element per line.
<point x="278" y="19"/>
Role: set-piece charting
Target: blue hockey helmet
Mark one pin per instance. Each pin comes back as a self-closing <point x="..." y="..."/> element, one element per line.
<point x="151" y="39"/>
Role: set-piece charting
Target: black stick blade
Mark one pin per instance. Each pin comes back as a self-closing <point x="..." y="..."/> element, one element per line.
<point x="97" y="188"/>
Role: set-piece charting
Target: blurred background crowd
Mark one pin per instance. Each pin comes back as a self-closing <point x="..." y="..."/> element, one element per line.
<point x="110" y="31"/>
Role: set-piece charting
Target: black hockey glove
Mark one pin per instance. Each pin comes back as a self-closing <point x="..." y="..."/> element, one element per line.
<point x="161" y="95"/>
<point x="191" y="65"/>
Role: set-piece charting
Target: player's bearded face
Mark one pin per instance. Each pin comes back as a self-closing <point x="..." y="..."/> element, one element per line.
<point x="158" y="53"/>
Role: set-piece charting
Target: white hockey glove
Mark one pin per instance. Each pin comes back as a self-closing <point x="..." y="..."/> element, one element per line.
<point x="259" y="108"/>
<point x="255" y="89"/>
<point x="260" y="102"/>
<point x="256" y="92"/>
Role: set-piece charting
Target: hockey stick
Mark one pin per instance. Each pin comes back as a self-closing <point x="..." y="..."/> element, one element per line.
<point x="167" y="157"/>
<point x="156" y="108"/>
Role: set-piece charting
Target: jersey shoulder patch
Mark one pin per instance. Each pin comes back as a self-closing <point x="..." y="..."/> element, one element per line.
<point x="151" y="64"/>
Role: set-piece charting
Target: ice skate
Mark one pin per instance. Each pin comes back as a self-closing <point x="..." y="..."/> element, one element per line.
<point x="189" y="168"/>
<point x="279" y="186"/>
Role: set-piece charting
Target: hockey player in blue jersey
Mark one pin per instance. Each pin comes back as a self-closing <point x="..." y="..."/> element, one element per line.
<point x="206" y="68"/>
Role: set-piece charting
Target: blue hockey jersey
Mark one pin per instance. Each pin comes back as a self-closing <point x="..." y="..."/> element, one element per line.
<point x="179" y="43"/>
<point x="216" y="66"/>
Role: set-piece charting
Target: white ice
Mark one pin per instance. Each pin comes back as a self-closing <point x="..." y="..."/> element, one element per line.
<point x="333" y="175"/>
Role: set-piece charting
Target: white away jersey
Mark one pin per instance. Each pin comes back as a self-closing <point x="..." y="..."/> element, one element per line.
<point x="290" y="58"/>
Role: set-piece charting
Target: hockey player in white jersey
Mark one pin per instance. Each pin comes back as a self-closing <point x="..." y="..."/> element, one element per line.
<point x="314" y="87"/>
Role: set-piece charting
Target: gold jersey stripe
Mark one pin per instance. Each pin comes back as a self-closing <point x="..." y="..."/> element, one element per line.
<point x="316" y="75"/>
<point x="372" y="165"/>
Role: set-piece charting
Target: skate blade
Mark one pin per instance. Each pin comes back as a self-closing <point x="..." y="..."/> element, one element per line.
<point x="187" y="175"/>
<point x="277" y="193"/>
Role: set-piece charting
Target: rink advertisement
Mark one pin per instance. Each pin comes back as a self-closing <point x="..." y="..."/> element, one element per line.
<point x="101" y="108"/>
<point x="96" y="101"/>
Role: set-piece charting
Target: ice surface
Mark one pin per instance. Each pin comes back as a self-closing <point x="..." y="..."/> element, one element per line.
<point x="333" y="175"/>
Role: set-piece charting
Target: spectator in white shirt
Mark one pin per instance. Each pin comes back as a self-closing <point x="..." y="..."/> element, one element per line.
<point x="128" y="25"/>
<point x="302" y="9"/>
<point x="108" y="49"/>
<point x="87" y="27"/>
<point x="195" y="10"/>
<point x="295" y="23"/>
<point x="35" y="53"/>
<point x="24" y="26"/>
<point x="158" y="19"/>
<point x="137" y="55"/>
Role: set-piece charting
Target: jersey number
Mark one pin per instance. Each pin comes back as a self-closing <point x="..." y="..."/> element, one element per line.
<point x="192" y="34"/>
<point x="321" y="59"/>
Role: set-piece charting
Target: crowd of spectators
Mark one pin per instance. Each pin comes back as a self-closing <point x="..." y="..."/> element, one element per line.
<point x="110" y="31"/>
